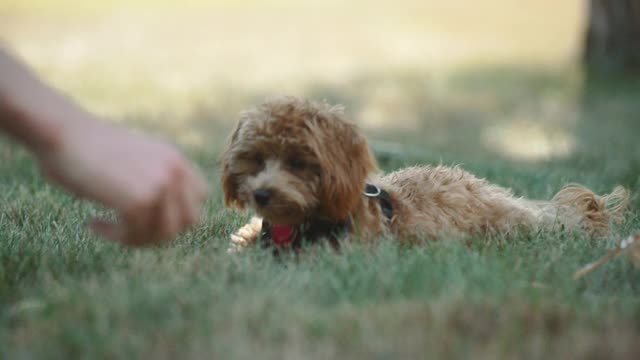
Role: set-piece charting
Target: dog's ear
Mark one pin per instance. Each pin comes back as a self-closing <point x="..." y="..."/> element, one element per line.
<point x="229" y="180"/>
<point x="346" y="162"/>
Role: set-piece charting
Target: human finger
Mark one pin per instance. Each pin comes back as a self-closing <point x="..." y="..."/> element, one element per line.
<point x="167" y="219"/>
<point x="111" y="231"/>
<point x="142" y="224"/>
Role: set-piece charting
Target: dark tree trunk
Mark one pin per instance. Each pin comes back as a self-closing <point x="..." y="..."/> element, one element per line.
<point x="612" y="43"/>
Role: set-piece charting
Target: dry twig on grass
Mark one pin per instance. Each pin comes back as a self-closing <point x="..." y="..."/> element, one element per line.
<point x="630" y="245"/>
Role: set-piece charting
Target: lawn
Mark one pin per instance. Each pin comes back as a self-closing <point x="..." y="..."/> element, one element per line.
<point x="512" y="107"/>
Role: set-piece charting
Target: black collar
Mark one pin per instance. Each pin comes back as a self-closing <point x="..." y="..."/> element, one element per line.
<point x="311" y="232"/>
<point x="373" y="191"/>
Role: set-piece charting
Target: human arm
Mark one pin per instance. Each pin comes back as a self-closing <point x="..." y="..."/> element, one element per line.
<point x="154" y="190"/>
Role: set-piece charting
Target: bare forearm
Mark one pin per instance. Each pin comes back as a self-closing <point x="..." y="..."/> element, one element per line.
<point x="153" y="188"/>
<point x="30" y="111"/>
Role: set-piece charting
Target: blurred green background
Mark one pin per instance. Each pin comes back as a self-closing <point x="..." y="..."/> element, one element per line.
<point x="490" y="71"/>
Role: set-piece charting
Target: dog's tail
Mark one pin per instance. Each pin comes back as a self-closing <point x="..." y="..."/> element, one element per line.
<point x="595" y="212"/>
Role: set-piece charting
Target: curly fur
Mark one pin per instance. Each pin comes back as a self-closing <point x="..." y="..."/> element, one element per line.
<point x="315" y="165"/>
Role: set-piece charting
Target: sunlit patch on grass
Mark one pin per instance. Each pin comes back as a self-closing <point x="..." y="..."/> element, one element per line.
<point x="191" y="138"/>
<point x="524" y="139"/>
<point x="390" y="104"/>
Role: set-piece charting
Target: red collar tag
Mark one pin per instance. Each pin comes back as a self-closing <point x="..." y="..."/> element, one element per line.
<point x="283" y="235"/>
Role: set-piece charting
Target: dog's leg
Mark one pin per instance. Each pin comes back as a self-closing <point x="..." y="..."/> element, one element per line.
<point x="246" y="236"/>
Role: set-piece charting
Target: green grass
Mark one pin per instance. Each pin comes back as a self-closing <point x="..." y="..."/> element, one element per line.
<point x="532" y="126"/>
<point x="65" y="293"/>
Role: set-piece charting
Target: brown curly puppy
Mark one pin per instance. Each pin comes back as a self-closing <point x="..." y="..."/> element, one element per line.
<point x="310" y="176"/>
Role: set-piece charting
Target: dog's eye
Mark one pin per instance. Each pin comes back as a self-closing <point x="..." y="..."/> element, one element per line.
<point x="296" y="164"/>
<point x="258" y="159"/>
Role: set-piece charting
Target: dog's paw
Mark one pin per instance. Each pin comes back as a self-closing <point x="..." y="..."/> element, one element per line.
<point x="246" y="236"/>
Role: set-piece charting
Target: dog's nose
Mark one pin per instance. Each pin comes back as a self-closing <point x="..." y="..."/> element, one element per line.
<point x="262" y="196"/>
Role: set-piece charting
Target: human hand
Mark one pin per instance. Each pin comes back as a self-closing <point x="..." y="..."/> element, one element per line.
<point x="154" y="190"/>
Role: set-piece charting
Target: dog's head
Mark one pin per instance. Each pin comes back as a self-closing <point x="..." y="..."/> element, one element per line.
<point x="294" y="160"/>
